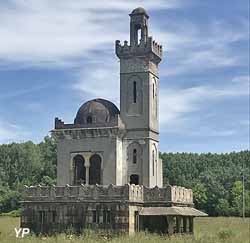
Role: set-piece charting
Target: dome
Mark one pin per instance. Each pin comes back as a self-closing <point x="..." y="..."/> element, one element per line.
<point x="139" y="10"/>
<point x="97" y="111"/>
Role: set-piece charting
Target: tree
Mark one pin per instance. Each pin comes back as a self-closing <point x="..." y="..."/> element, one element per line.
<point x="212" y="178"/>
<point x="200" y="195"/>
<point x="48" y="149"/>
<point x="25" y="164"/>
<point x="223" y="207"/>
<point x="9" y="199"/>
<point x="237" y="199"/>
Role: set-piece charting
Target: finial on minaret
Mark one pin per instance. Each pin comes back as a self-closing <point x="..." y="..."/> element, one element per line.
<point x="138" y="26"/>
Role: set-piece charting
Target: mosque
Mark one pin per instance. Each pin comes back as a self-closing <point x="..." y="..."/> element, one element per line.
<point x="109" y="174"/>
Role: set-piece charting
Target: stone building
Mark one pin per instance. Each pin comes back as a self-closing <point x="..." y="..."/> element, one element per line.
<point x="109" y="174"/>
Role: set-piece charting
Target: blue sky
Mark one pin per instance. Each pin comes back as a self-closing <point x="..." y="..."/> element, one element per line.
<point x="55" y="55"/>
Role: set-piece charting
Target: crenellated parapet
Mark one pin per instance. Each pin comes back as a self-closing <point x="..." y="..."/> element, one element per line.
<point x="81" y="131"/>
<point x="113" y="122"/>
<point x="131" y="193"/>
<point x="156" y="194"/>
<point x="81" y="193"/>
<point x="149" y="48"/>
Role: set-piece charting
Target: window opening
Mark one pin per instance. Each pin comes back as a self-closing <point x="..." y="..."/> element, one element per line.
<point x="134" y="156"/>
<point x="153" y="162"/>
<point x="106" y="216"/>
<point x="135" y="91"/>
<point x="138" y="36"/>
<point x="94" y="216"/>
<point x="89" y="120"/>
<point x="134" y="179"/>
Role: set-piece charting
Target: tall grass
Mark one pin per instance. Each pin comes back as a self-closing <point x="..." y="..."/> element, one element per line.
<point x="207" y="230"/>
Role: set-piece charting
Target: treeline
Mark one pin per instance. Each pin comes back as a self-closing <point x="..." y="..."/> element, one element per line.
<point x="216" y="179"/>
<point x="25" y="164"/>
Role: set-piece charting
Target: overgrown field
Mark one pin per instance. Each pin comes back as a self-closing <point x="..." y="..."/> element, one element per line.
<point x="207" y="230"/>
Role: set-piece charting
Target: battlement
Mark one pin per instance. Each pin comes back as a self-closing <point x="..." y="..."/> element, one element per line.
<point x="80" y="131"/>
<point x="131" y="193"/>
<point x="114" y="122"/>
<point x="150" y="48"/>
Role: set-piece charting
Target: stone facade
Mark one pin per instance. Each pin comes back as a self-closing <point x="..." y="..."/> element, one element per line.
<point x="109" y="174"/>
<point x="126" y="140"/>
<point x="112" y="208"/>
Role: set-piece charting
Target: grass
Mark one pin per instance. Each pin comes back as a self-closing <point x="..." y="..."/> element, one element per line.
<point x="207" y="230"/>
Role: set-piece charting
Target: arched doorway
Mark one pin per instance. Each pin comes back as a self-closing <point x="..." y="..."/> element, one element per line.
<point x="79" y="170"/>
<point x="95" y="170"/>
<point x="134" y="179"/>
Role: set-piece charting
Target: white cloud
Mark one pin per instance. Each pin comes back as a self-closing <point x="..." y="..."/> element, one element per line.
<point x="58" y="33"/>
<point x="245" y="123"/>
<point x="193" y="48"/>
<point x="64" y="33"/>
<point x="81" y="33"/>
<point x="100" y="80"/>
<point x="243" y="79"/>
<point x="175" y="104"/>
<point x="10" y="132"/>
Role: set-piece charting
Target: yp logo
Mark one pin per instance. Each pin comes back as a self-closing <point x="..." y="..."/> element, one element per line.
<point x="22" y="232"/>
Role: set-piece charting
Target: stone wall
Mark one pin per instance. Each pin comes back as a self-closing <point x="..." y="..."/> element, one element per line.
<point x="44" y="217"/>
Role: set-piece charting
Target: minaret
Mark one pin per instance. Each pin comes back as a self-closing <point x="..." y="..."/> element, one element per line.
<point x="139" y="106"/>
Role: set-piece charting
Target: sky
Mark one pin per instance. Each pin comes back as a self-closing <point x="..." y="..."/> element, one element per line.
<point x="56" y="55"/>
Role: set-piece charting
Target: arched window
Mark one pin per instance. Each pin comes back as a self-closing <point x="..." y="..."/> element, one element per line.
<point x="79" y="170"/>
<point x="89" y="120"/>
<point x="139" y="33"/>
<point x="153" y="162"/>
<point x="134" y="179"/>
<point x="95" y="170"/>
<point x="134" y="91"/>
<point x="134" y="156"/>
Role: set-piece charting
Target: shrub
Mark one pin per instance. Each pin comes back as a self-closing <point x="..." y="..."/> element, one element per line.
<point x="225" y="234"/>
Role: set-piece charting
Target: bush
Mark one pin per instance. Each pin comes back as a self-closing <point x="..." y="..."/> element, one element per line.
<point x="9" y="200"/>
<point x="225" y="234"/>
<point x="13" y="213"/>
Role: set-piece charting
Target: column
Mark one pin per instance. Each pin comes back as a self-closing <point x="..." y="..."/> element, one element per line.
<point x="101" y="168"/>
<point x="87" y="165"/>
<point x="87" y="174"/>
<point x="191" y="225"/>
<point x="141" y="223"/>
<point x="72" y="167"/>
<point x="185" y="224"/>
<point x="178" y="224"/>
<point x="170" y="225"/>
